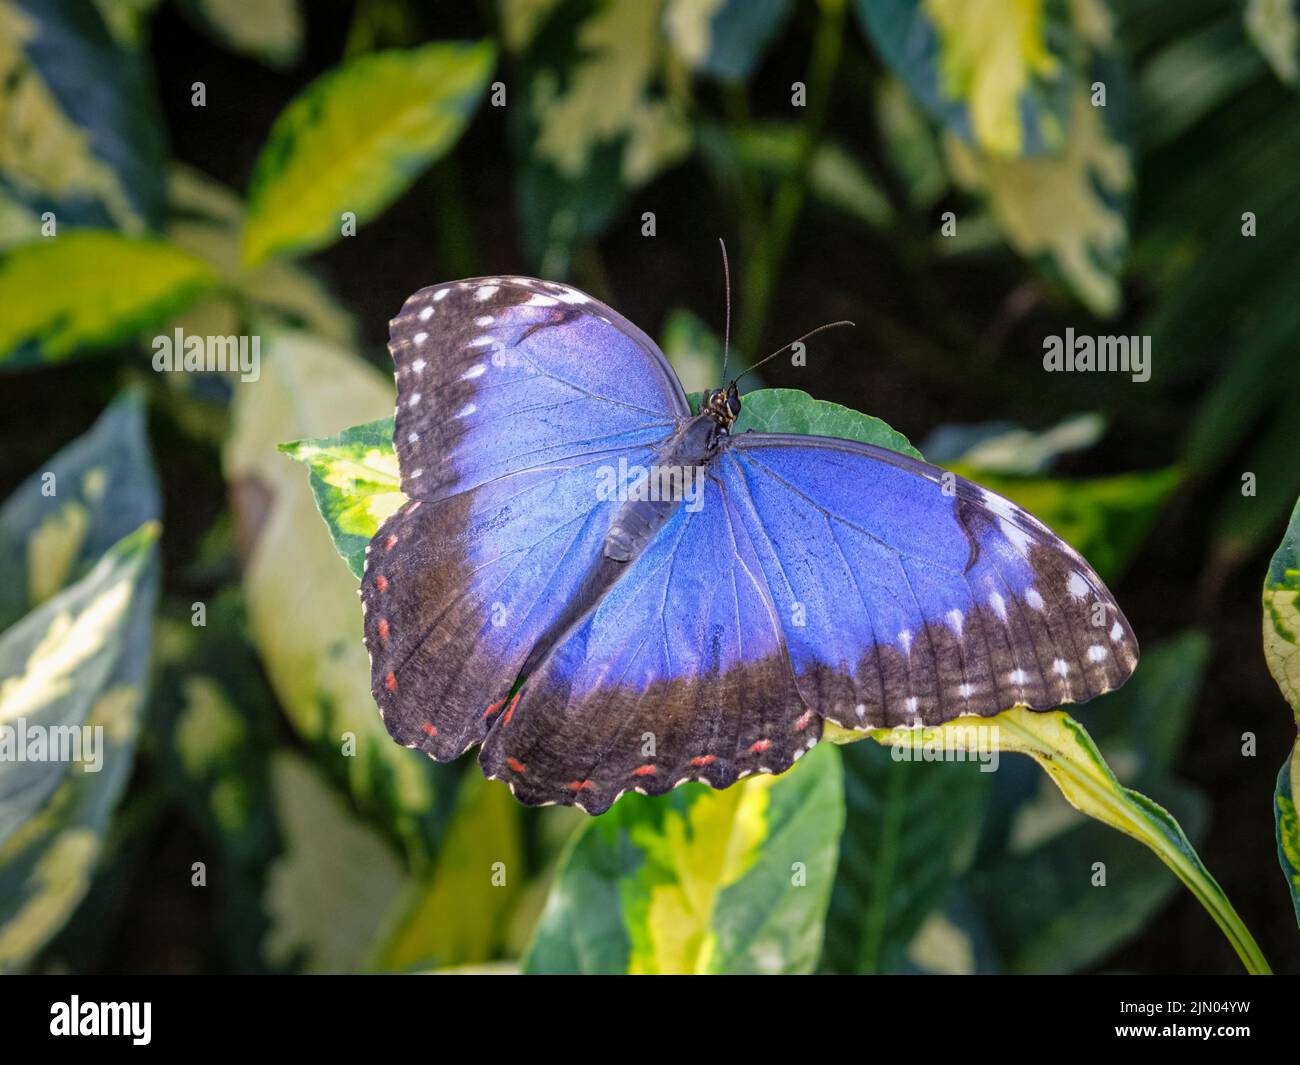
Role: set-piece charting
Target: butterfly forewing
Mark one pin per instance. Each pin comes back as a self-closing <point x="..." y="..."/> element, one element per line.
<point x="512" y="394"/>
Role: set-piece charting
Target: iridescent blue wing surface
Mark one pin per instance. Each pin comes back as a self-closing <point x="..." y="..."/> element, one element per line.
<point x="512" y="395"/>
<point x="911" y="596"/>
<point x="679" y="673"/>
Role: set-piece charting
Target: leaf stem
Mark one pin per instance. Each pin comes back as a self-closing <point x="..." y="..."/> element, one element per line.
<point x="1148" y="830"/>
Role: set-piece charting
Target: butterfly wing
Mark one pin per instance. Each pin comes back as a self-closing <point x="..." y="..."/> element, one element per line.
<point x="679" y="673"/>
<point x="908" y="595"/>
<point x="512" y="395"/>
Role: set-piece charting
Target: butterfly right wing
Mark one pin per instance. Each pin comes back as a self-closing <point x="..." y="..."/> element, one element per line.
<point x="516" y="398"/>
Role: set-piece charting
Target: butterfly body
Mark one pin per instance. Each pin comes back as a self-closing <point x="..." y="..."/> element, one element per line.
<point x="610" y="591"/>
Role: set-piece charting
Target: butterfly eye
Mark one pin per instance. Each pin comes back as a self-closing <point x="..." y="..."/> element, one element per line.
<point x="733" y="403"/>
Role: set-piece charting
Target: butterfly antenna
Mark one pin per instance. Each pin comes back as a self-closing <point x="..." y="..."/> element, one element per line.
<point x="726" y="339"/>
<point x="811" y="332"/>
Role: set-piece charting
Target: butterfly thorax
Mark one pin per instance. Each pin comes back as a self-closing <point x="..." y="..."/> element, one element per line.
<point x="675" y="478"/>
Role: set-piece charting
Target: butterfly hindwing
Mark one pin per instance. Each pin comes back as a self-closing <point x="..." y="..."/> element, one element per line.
<point x="913" y="596"/>
<point x="680" y="673"/>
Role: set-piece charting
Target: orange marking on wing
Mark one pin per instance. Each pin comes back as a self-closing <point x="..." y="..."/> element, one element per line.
<point x="516" y="765"/>
<point x="413" y="506"/>
<point x="645" y="770"/>
<point x="581" y="785"/>
<point x="494" y="708"/>
<point x="381" y="582"/>
<point x="511" y="712"/>
<point x="390" y="682"/>
<point x="390" y="542"/>
<point x="383" y="629"/>
<point x="804" y="721"/>
<point x="430" y="728"/>
<point x="760" y="746"/>
<point x="704" y="759"/>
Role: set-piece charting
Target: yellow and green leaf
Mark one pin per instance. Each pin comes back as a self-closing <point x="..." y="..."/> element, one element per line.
<point x="1274" y="26"/>
<point x="59" y="522"/>
<point x="997" y="72"/>
<point x="355" y="139"/>
<point x="269" y="30"/>
<point x="88" y="289"/>
<point x="355" y="480"/>
<point x="700" y="881"/>
<point x="78" y="661"/>
<point x="1068" y="210"/>
<point x="595" y="122"/>
<point x="1065" y="751"/>
<point x="1282" y="652"/>
<point x="80" y="132"/>
<point x="458" y="915"/>
<point x="724" y="39"/>
<point x="326" y="895"/>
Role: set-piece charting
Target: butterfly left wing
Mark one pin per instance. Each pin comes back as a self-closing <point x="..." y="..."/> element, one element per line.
<point x="514" y="396"/>
<point x="680" y="673"/>
<point x="911" y="596"/>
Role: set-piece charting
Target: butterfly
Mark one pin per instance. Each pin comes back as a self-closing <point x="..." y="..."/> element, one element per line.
<point x="595" y="635"/>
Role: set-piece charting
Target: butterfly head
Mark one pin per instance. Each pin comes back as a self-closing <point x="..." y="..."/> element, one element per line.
<point x="722" y="405"/>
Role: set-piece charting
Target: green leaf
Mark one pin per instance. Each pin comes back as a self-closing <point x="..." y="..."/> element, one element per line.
<point x="1000" y="447"/>
<point x="1282" y="614"/>
<point x="320" y="671"/>
<point x="1068" y="211"/>
<point x="327" y="894"/>
<point x="82" y="136"/>
<point x="1047" y="913"/>
<point x="270" y="30"/>
<point x="104" y="487"/>
<point x="595" y="123"/>
<point x="207" y="221"/>
<point x="835" y="177"/>
<point x="80" y="660"/>
<point x="1274" y="26"/>
<point x="905" y="831"/>
<point x="1065" y="751"/>
<point x="355" y="480"/>
<point x="459" y="915"/>
<point x="355" y="139"/>
<point x="1286" y="814"/>
<point x="724" y="39"/>
<point x="700" y="881"/>
<point x="88" y="289"/>
<point x="1282" y="652"/>
<point x="996" y="73"/>
<point x="1104" y="518"/>
<point x="789" y="410"/>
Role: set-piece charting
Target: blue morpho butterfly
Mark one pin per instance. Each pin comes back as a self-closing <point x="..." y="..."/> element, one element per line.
<point x="593" y="642"/>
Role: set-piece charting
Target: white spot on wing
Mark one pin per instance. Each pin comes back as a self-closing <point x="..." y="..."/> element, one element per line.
<point x="1034" y="599"/>
<point x="466" y="410"/>
<point x="474" y="371"/>
<point x="1097" y="653"/>
<point x="955" y="619"/>
<point x="420" y="338"/>
<point x="427" y="312"/>
<point x="998" y="604"/>
<point x="484" y="319"/>
<point x="418" y="365"/>
<point x="1020" y="539"/>
<point x="1061" y="666"/>
<point x="1117" y="632"/>
<point x="1077" y="585"/>
<point x="485" y="292"/>
<point x="415" y="400"/>
<point x="440" y="294"/>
